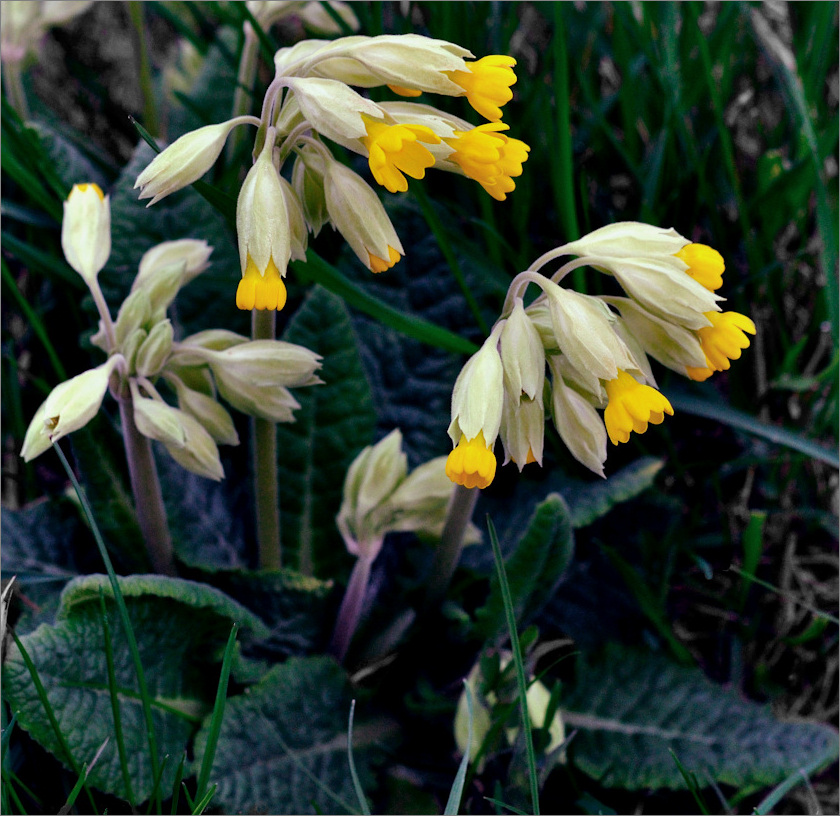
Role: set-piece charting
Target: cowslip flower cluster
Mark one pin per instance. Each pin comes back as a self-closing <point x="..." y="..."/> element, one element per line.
<point x="569" y="354"/>
<point x="253" y="377"/>
<point x="312" y="101"/>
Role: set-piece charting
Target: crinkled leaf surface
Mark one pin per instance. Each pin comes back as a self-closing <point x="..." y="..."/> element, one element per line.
<point x="41" y="548"/>
<point x="296" y="608"/>
<point x="630" y="707"/>
<point x="534" y="568"/>
<point x="591" y="500"/>
<point x="411" y="381"/>
<point x="283" y="744"/>
<point x="181" y="629"/>
<point x="67" y="160"/>
<point x="335" y="421"/>
<point x="205" y="517"/>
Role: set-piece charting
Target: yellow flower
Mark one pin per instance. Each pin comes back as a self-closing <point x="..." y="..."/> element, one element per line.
<point x="472" y="463"/>
<point x="722" y="342"/>
<point x="399" y="90"/>
<point x="631" y="406"/>
<point x="705" y="265"/>
<point x="489" y="157"/>
<point x="394" y="150"/>
<point x="380" y="264"/>
<point x="487" y="84"/>
<point x="256" y="291"/>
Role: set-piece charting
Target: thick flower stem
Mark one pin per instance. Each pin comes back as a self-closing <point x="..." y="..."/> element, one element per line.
<point x="351" y="608"/>
<point x="264" y="452"/>
<point x="458" y="516"/>
<point x="148" y="499"/>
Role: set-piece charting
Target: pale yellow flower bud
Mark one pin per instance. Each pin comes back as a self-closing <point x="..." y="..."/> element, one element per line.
<point x="584" y="332"/>
<point x="627" y="239"/>
<point x="478" y="394"/>
<point x="152" y="354"/>
<point x="186" y="160"/>
<point x="308" y="181"/>
<point x="357" y="213"/>
<point x="421" y="501"/>
<point x="523" y="430"/>
<point x="157" y="420"/>
<point x="523" y="355"/>
<point x="334" y="109"/>
<point x="86" y="230"/>
<point x="578" y="423"/>
<point x="262" y="226"/>
<point x="199" y="453"/>
<point x="371" y="478"/>
<point x="135" y="312"/>
<point x="672" y="345"/>
<point x="297" y="222"/>
<point x="70" y="406"/>
<point x="213" y="417"/>
<point x="131" y="345"/>
<point x="192" y="255"/>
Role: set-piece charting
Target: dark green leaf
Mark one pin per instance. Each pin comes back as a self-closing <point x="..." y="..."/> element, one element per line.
<point x="535" y="567"/>
<point x="181" y="630"/>
<point x="297" y="717"/>
<point x="335" y="421"/>
<point x="589" y="501"/>
<point x="630" y="709"/>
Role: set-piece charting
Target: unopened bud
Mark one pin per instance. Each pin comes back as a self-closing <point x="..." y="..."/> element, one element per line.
<point x="86" y="230"/>
<point x="152" y="355"/>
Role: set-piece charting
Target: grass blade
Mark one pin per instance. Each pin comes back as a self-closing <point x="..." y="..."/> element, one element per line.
<point x="86" y="769"/>
<point x="782" y="789"/>
<point x="520" y="668"/>
<point x="218" y="715"/>
<point x="120" y="602"/>
<point x="691" y="783"/>
<point x="199" y="807"/>
<point x="744" y="422"/>
<point x="176" y="786"/>
<point x="457" y="791"/>
<point x="45" y="702"/>
<point x="355" y="776"/>
<point x="115" y="700"/>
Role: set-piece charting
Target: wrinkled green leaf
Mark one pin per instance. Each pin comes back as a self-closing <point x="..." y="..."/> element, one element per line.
<point x="181" y="629"/>
<point x="335" y="421"/>
<point x="590" y="501"/>
<point x="297" y="717"/>
<point x="630" y="709"/>
<point x="70" y="165"/>
<point x="534" y="568"/>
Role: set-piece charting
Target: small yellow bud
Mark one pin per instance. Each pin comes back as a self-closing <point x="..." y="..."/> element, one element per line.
<point x="86" y="230"/>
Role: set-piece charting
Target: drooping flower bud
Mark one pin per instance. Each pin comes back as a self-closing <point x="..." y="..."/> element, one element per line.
<point x="86" y="230"/>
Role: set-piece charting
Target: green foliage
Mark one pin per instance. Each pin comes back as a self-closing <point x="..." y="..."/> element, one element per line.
<point x="595" y="499"/>
<point x="631" y="709"/>
<point x="283" y="746"/>
<point x="535" y="567"/>
<point x="335" y="421"/>
<point x="181" y="629"/>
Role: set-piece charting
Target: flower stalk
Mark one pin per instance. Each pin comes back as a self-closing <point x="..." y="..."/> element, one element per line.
<point x="448" y="554"/>
<point x="351" y="605"/>
<point x="264" y="454"/>
<point x="145" y="487"/>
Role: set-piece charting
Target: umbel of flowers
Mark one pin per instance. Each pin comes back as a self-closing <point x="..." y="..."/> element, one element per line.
<point x="142" y="352"/>
<point x="568" y="355"/>
<point x="312" y="102"/>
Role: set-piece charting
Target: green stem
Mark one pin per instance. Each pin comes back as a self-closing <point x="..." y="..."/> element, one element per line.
<point x="244" y="87"/>
<point x="13" y="84"/>
<point x="148" y="498"/>
<point x="264" y="451"/>
<point x="448" y="553"/>
<point x="564" y="187"/>
<point x="135" y="11"/>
